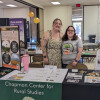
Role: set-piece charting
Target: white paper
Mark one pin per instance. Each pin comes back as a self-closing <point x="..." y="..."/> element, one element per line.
<point x="40" y="75"/>
<point x="74" y="70"/>
<point x="38" y="51"/>
<point x="50" y="67"/>
<point x="92" y="79"/>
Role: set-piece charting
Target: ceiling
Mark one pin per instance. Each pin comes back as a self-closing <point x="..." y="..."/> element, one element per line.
<point x="5" y="2"/>
<point x="76" y="11"/>
<point x="48" y="2"/>
<point x="67" y="2"/>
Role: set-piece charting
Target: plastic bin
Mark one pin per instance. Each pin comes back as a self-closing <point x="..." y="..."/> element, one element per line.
<point x="91" y="38"/>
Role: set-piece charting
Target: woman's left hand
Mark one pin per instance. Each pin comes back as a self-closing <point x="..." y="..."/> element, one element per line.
<point x="74" y="63"/>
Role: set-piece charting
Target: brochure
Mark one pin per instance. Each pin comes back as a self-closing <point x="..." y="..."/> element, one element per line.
<point x="74" y="77"/>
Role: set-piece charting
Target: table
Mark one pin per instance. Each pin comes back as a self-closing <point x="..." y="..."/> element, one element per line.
<point x="32" y="85"/>
<point x="32" y="53"/>
<point x="25" y="89"/>
<point x="87" y="46"/>
<point x="91" y="54"/>
<point x="81" y="90"/>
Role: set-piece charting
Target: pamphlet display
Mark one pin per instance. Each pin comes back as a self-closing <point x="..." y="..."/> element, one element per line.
<point x="10" y="47"/>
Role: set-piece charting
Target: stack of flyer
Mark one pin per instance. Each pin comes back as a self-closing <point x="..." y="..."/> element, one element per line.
<point x="93" y="77"/>
<point x="74" y="77"/>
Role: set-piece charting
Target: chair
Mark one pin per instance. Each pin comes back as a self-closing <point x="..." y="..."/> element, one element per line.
<point x="37" y="61"/>
<point x="78" y="66"/>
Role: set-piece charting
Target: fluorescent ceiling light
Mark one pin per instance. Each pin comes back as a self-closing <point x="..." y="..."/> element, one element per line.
<point x="1" y="2"/>
<point x="10" y="5"/>
<point x="55" y="3"/>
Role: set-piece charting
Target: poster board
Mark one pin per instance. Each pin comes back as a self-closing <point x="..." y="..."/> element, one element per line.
<point x="10" y="47"/>
<point x="21" y="23"/>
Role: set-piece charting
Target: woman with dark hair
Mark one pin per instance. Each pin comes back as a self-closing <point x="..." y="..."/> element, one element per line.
<point x="71" y="47"/>
<point x="51" y="44"/>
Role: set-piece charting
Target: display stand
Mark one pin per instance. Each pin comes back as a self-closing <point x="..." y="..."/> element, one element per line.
<point x="10" y="54"/>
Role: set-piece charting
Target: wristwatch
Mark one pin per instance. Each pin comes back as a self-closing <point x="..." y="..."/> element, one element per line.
<point x="44" y="56"/>
<point x="76" y="60"/>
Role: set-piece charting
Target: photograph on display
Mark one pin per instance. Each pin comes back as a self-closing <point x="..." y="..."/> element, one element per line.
<point x="10" y="47"/>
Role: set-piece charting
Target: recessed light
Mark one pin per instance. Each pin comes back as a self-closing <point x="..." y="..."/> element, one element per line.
<point x="55" y="3"/>
<point x="1" y="2"/>
<point x="10" y="5"/>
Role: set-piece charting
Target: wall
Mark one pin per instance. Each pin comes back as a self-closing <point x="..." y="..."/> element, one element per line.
<point x="49" y="14"/>
<point x="91" y="21"/>
<point x="16" y="13"/>
<point x="1" y="13"/>
<point x="62" y="12"/>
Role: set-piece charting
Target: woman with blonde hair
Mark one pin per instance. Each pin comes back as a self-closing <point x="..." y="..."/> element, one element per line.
<point x="51" y="44"/>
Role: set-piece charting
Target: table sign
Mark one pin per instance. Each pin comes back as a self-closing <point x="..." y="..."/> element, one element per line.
<point x="28" y="90"/>
<point x="74" y="70"/>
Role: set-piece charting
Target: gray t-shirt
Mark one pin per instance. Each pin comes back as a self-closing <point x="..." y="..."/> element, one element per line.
<point x="70" y="50"/>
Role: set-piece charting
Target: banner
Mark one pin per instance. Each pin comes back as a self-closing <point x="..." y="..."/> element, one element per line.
<point x="22" y="90"/>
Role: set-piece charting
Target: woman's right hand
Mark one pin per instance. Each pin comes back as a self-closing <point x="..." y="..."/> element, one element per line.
<point x="46" y="61"/>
